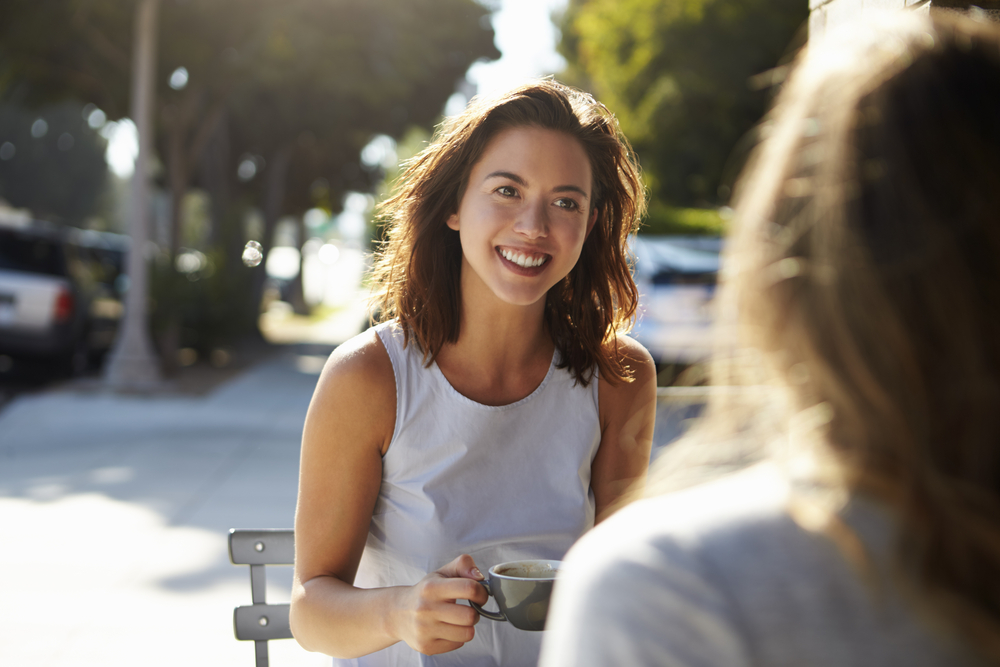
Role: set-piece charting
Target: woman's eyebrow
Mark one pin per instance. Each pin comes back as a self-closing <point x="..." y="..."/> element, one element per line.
<point x="520" y="181"/>
<point x="571" y="188"/>
<point x="506" y="174"/>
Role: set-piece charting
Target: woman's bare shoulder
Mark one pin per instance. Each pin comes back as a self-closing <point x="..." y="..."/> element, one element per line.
<point x="357" y="384"/>
<point x="633" y="356"/>
<point x="364" y="356"/>
<point x="632" y="350"/>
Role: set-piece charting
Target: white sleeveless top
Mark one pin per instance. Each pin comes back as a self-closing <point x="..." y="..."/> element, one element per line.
<point x="499" y="483"/>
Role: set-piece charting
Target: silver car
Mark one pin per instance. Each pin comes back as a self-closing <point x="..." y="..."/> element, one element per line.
<point x="58" y="295"/>
<point x="676" y="277"/>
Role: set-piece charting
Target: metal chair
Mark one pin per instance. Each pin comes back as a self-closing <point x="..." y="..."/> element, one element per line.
<point x="261" y="622"/>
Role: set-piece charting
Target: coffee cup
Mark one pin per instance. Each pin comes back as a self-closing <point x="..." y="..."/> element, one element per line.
<point x="522" y="589"/>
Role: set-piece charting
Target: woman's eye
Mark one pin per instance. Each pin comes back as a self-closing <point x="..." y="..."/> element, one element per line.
<point x="506" y="191"/>
<point x="568" y="204"/>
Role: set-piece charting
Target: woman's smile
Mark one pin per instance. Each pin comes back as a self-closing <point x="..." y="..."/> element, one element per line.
<point x="524" y="259"/>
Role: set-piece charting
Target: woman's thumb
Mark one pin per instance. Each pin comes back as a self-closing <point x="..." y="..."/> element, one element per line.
<point x="463" y="566"/>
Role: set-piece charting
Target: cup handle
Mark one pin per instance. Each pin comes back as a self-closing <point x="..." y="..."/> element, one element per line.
<point x="492" y="615"/>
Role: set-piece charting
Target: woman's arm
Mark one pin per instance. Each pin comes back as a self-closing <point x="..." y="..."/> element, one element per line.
<point x="348" y="429"/>
<point x="627" y="414"/>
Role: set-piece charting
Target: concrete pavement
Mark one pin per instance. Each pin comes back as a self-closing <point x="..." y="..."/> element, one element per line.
<point x="115" y="511"/>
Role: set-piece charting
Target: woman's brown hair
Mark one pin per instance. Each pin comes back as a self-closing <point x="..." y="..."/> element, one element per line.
<point x="863" y="280"/>
<point x="417" y="270"/>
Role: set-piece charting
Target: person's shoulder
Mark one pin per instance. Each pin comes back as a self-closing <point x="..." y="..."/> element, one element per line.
<point x="646" y="594"/>
<point x="359" y="368"/>
<point x="632" y="353"/>
<point x="363" y="356"/>
<point x="727" y="506"/>
<point x="756" y="494"/>
<point x="637" y="360"/>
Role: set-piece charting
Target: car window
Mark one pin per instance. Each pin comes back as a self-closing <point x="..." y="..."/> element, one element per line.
<point x="93" y="266"/>
<point x="32" y="254"/>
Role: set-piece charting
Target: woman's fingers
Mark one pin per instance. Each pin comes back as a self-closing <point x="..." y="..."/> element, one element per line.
<point x="454" y="633"/>
<point x="457" y="614"/>
<point x="457" y="581"/>
<point x="442" y="626"/>
<point x="437" y="622"/>
<point x="463" y="566"/>
<point x="439" y="646"/>
<point x="440" y="588"/>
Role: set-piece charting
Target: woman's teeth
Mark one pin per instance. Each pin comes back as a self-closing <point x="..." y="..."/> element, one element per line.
<point x="523" y="260"/>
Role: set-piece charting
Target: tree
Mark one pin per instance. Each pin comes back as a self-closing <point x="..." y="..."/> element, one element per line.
<point x="328" y="79"/>
<point x="51" y="161"/>
<point x="301" y="84"/>
<point x="686" y="78"/>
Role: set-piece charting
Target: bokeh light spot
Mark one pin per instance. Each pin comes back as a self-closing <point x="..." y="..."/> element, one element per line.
<point x="179" y="78"/>
<point x="253" y="253"/>
<point x="96" y="119"/>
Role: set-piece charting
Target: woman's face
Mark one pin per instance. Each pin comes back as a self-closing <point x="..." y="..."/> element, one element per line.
<point x="524" y="216"/>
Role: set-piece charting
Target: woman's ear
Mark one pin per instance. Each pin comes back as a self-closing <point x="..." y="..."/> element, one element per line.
<point x="452" y="221"/>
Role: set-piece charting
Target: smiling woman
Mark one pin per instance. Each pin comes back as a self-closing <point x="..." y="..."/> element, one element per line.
<point x="498" y="410"/>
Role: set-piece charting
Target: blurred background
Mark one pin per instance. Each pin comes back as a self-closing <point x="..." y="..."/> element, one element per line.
<point x="273" y="129"/>
<point x="281" y="125"/>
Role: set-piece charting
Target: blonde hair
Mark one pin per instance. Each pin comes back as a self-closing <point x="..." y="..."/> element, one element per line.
<point x="862" y="285"/>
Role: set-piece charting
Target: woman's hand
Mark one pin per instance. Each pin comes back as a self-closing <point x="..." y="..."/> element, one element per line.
<point x="429" y="619"/>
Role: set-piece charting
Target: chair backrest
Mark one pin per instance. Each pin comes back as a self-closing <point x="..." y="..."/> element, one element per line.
<point x="261" y="622"/>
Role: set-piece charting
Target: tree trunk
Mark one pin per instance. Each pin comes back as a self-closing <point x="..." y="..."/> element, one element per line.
<point x="132" y="364"/>
<point x="179" y="178"/>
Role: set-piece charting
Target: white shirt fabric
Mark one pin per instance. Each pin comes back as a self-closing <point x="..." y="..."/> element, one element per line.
<point x="499" y="483"/>
<point x="720" y="574"/>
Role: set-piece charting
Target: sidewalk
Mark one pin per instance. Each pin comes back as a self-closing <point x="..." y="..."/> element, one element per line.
<point x="116" y="510"/>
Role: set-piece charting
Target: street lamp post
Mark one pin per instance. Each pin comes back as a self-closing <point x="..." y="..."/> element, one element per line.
<point x="133" y="364"/>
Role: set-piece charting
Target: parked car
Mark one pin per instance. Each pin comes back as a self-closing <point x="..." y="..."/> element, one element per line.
<point x="676" y="277"/>
<point x="60" y="292"/>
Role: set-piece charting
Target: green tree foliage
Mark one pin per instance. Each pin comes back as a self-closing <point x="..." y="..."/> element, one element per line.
<point x="686" y="78"/>
<point x="326" y="81"/>
<point x="323" y="75"/>
<point x="51" y="50"/>
<point x="297" y="86"/>
<point x="51" y="161"/>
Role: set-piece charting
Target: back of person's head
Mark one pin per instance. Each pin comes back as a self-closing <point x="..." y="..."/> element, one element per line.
<point x="419" y="266"/>
<point x="864" y="277"/>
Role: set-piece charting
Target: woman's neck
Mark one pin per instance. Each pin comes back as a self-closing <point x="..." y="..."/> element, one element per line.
<point x="503" y="351"/>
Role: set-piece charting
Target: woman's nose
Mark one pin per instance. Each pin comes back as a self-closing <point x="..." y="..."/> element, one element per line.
<point x="533" y="221"/>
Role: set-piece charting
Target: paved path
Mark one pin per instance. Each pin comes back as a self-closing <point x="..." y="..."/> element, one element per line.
<point x="115" y="511"/>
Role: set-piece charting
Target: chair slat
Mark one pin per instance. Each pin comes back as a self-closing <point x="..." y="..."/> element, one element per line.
<point x="248" y="623"/>
<point x="260" y="654"/>
<point x="262" y="547"/>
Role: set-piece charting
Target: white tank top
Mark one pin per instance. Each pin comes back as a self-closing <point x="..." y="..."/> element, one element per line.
<point x="499" y="483"/>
